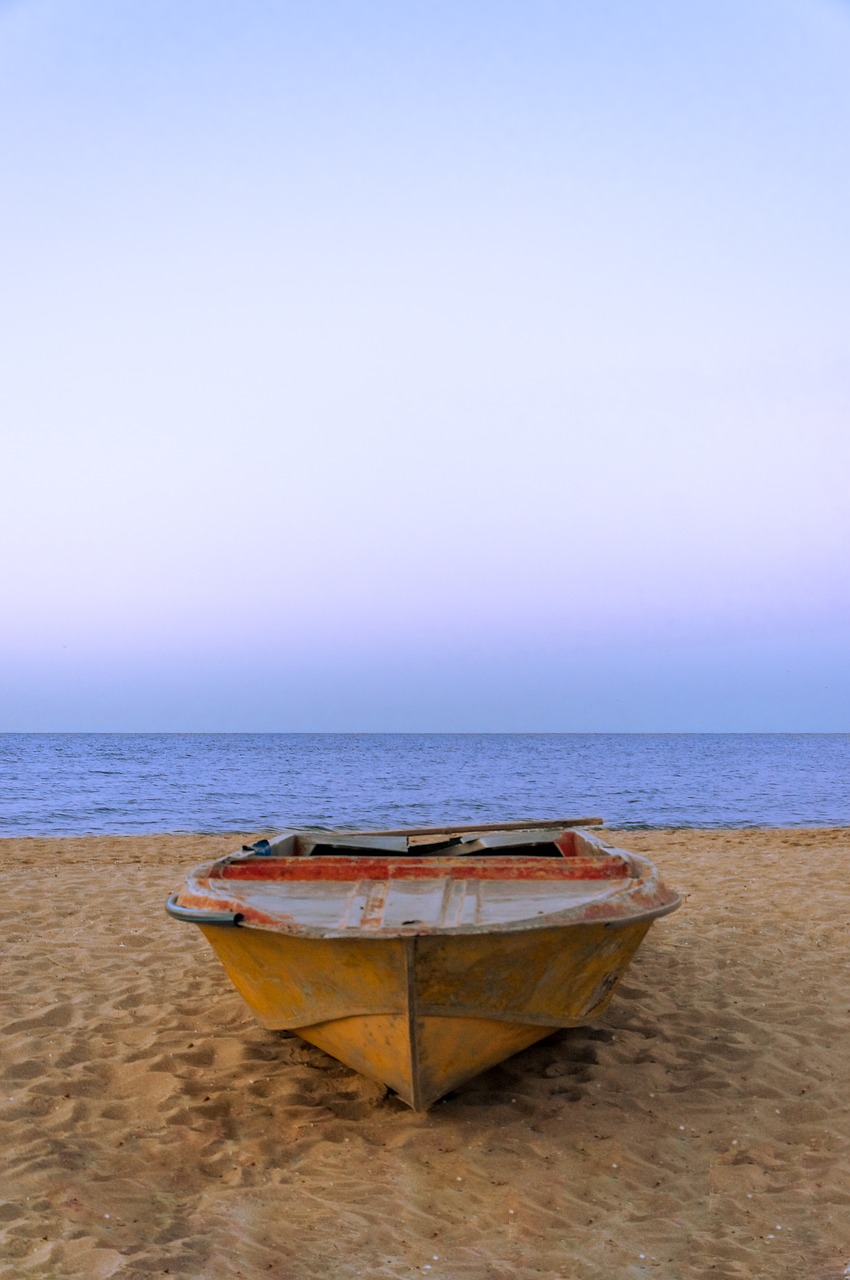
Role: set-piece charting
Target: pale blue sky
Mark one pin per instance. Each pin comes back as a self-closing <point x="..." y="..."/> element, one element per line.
<point x="477" y="366"/>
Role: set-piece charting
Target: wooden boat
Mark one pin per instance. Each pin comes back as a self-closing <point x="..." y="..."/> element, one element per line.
<point x="421" y="957"/>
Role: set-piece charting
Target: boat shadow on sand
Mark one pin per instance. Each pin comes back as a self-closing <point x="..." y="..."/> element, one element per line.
<point x="563" y="1067"/>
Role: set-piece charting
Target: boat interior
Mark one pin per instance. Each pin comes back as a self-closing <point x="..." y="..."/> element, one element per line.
<point x="478" y="855"/>
<point x="479" y="842"/>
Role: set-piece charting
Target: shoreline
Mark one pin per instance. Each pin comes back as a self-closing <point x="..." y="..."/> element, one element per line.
<point x="238" y="837"/>
<point x="698" y="1127"/>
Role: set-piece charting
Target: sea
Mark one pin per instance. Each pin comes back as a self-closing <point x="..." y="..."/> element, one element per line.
<point x="132" y="783"/>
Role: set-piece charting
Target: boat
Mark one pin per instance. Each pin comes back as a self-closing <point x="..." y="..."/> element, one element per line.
<point x="422" y="956"/>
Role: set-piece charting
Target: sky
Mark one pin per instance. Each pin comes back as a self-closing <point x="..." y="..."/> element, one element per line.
<point x="460" y="365"/>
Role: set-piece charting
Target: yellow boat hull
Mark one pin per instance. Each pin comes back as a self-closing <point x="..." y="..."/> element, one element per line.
<point x="425" y="1014"/>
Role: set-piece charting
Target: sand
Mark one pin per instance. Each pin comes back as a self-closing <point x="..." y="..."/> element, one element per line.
<point x="151" y="1127"/>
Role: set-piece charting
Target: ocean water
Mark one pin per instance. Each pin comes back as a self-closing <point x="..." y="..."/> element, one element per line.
<point x="74" y="784"/>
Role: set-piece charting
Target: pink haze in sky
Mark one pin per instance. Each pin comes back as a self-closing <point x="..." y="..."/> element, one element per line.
<point x="450" y="367"/>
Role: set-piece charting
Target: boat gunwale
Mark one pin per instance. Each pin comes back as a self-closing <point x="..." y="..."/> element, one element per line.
<point x="574" y="918"/>
<point x="633" y="899"/>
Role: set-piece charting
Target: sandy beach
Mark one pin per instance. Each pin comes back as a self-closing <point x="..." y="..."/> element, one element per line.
<point x="151" y="1127"/>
